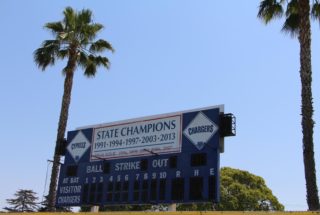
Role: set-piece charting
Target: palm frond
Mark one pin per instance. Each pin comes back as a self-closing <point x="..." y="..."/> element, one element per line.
<point x="89" y="32"/>
<point x="94" y="28"/>
<point x="270" y="9"/>
<point x="102" y="61"/>
<point x="51" y="44"/>
<point x="83" y="59"/>
<point x="291" y="25"/>
<point x="62" y="53"/>
<point x="47" y="53"/>
<point x="292" y="8"/>
<point x="90" y="70"/>
<point x="91" y="62"/>
<point x="69" y="19"/>
<point x="74" y="34"/>
<point x="43" y="58"/>
<point x="91" y="67"/>
<point x="84" y="16"/>
<point x="83" y="19"/>
<point x="101" y="45"/>
<point x="55" y="27"/>
<point x="315" y="11"/>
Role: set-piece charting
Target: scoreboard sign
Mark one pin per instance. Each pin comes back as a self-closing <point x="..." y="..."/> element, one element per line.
<point x="138" y="138"/>
<point x="168" y="158"/>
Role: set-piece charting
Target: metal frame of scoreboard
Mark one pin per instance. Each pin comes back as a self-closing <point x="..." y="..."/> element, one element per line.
<point x="163" y="159"/>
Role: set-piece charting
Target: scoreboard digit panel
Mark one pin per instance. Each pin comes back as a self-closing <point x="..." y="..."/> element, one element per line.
<point x="169" y="158"/>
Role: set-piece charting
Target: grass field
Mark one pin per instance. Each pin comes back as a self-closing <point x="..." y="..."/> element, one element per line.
<point x="181" y="213"/>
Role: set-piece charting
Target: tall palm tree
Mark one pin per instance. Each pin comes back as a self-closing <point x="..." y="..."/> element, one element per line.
<point x="74" y="40"/>
<point x="298" y="23"/>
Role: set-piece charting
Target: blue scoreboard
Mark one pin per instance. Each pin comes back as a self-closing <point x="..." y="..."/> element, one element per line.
<point x="169" y="158"/>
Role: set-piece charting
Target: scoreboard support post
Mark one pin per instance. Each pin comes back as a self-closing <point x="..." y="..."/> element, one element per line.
<point x="94" y="209"/>
<point x="172" y="207"/>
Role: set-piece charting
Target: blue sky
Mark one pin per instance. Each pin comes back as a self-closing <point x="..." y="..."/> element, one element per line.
<point x="170" y="56"/>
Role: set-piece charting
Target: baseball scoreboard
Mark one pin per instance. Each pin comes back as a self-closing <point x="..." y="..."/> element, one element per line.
<point x="163" y="159"/>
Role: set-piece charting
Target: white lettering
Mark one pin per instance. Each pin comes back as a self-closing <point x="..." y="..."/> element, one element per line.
<point x="160" y="163"/>
<point x="80" y="145"/>
<point x="163" y="175"/>
<point x="127" y="166"/>
<point x="136" y="138"/>
<point x="74" y="180"/>
<point x="70" y="189"/>
<point x="154" y="175"/>
<point x="178" y="174"/>
<point x="94" y="169"/>
<point x="211" y="171"/>
<point x="145" y="176"/>
<point x="69" y="199"/>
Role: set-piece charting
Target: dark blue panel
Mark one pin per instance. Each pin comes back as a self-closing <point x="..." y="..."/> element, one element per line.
<point x="191" y="175"/>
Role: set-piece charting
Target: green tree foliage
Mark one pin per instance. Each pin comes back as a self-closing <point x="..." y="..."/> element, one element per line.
<point x="24" y="201"/>
<point x="74" y="39"/>
<point x="274" y="9"/>
<point x="243" y="191"/>
<point x="240" y="191"/>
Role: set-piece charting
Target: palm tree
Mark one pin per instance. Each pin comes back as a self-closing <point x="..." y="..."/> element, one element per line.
<point x="73" y="40"/>
<point x="298" y="23"/>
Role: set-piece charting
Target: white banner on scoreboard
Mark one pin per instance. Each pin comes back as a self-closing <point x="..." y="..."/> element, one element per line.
<point x="138" y="138"/>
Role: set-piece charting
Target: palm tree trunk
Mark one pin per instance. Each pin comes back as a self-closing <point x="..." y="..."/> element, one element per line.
<point x="61" y="132"/>
<point x="307" y="104"/>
